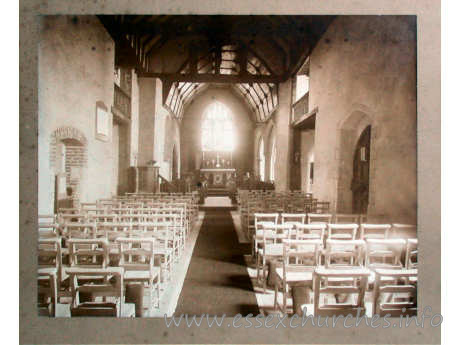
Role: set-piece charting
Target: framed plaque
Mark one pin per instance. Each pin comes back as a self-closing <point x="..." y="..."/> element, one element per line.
<point x="102" y="122"/>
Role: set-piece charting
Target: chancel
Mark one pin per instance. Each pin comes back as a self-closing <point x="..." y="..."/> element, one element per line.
<point x="227" y="165"/>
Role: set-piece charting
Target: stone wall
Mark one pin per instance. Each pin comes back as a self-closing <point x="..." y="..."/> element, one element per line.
<point x="363" y="72"/>
<point x="76" y="70"/>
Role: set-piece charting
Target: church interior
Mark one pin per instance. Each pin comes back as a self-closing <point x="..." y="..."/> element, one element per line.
<point x="224" y="164"/>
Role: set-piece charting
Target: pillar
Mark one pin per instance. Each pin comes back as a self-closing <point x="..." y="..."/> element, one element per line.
<point x="146" y="120"/>
<point x="283" y="137"/>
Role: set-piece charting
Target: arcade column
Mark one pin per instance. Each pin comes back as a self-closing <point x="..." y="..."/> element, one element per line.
<point x="284" y="137"/>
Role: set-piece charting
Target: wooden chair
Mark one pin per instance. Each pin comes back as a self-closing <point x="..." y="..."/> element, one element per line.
<point x="164" y="234"/>
<point x="47" y="219"/>
<point x="395" y="292"/>
<point x="49" y="272"/>
<point x="310" y="231"/>
<point x="411" y="253"/>
<point x="384" y="253"/>
<point x="313" y="218"/>
<point x="71" y="218"/>
<point x="297" y="204"/>
<point x="94" y="211"/>
<point x="87" y="205"/>
<point x="106" y="283"/>
<point x="274" y="205"/>
<point x="403" y="230"/>
<point x="341" y="218"/>
<point x="379" y="231"/>
<point x="48" y="230"/>
<point x="137" y="257"/>
<point x="64" y="210"/>
<point x="272" y="246"/>
<point x="178" y="217"/>
<point x="79" y="231"/>
<point x="344" y="253"/>
<point x="320" y="207"/>
<point x="253" y="208"/>
<point x="331" y="283"/>
<point x="259" y="220"/>
<point x="293" y="218"/>
<point x="342" y="231"/>
<point x="300" y="258"/>
<point x="113" y="230"/>
<point x="88" y="253"/>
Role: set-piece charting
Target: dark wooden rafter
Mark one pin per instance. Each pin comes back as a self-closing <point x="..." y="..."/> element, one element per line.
<point x="213" y="78"/>
<point x="176" y="94"/>
<point x="248" y="92"/>
<point x="263" y="62"/>
<point x="272" y="89"/>
<point x="272" y="47"/>
<point x="217" y="59"/>
<point x="157" y="45"/>
<point x="149" y="44"/>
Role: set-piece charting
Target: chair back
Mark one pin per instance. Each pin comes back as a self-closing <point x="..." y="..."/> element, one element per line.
<point x="342" y="231"/>
<point x="104" y="282"/>
<point x="310" y="231"/>
<point x="88" y="253"/>
<point x="411" y="253"/>
<point x="314" y="218"/>
<point x="384" y="253"/>
<point x="349" y="284"/>
<point x="344" y="253"/>
<point x="379" y="231"/>
<point x="395" y="292"/>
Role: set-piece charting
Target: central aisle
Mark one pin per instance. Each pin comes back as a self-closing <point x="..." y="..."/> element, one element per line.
<point x="217" y="281"/>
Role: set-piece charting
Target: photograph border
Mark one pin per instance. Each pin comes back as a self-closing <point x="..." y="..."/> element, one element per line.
<point x="41" y="330"/>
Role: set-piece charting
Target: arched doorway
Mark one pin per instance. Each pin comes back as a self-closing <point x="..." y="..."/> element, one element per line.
<point x="361" y="164"/>
<point x="68" y="163"/>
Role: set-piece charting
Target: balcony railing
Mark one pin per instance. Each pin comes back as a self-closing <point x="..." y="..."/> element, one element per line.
<point x="300" y="107"/>
<point x="122" y="101"/>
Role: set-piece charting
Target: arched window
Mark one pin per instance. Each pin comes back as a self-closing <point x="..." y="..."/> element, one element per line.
<point x="217" y="132"/>
<point x="273" y="161"/>
<point x="261" y="159"/>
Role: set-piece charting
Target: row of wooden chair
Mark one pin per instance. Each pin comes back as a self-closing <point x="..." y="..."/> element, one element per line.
<point x="89" y="272"/>
<point x="395" y="252"/>
<point x="319" y="226"/>
<point x="349" y="271"/>
<point x="79" y="247"/>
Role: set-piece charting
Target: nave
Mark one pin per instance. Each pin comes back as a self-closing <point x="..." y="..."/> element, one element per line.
<point x="227" y="164"/>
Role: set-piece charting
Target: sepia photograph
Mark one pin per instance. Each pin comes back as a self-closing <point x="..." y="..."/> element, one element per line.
<point x="235" y="168"/>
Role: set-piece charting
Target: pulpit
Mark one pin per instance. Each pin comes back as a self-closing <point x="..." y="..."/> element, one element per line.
<point x="144" y="179"/>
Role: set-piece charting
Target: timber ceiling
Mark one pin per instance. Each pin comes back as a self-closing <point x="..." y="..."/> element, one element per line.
<point x="187" y="52"/>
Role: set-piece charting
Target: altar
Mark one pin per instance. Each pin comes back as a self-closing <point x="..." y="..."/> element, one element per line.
<point x="218" y="178"/>
<point x="217" y="169"/>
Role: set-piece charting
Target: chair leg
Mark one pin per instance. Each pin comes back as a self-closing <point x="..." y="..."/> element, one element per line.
<point x="258" y="269"/>
<point x="263" y="275"/>
<point x="285" y="288"/>
<point x="275" y="306"/>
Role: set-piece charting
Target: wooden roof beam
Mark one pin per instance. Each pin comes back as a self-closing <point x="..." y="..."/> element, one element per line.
<point x="214" y="78"/>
